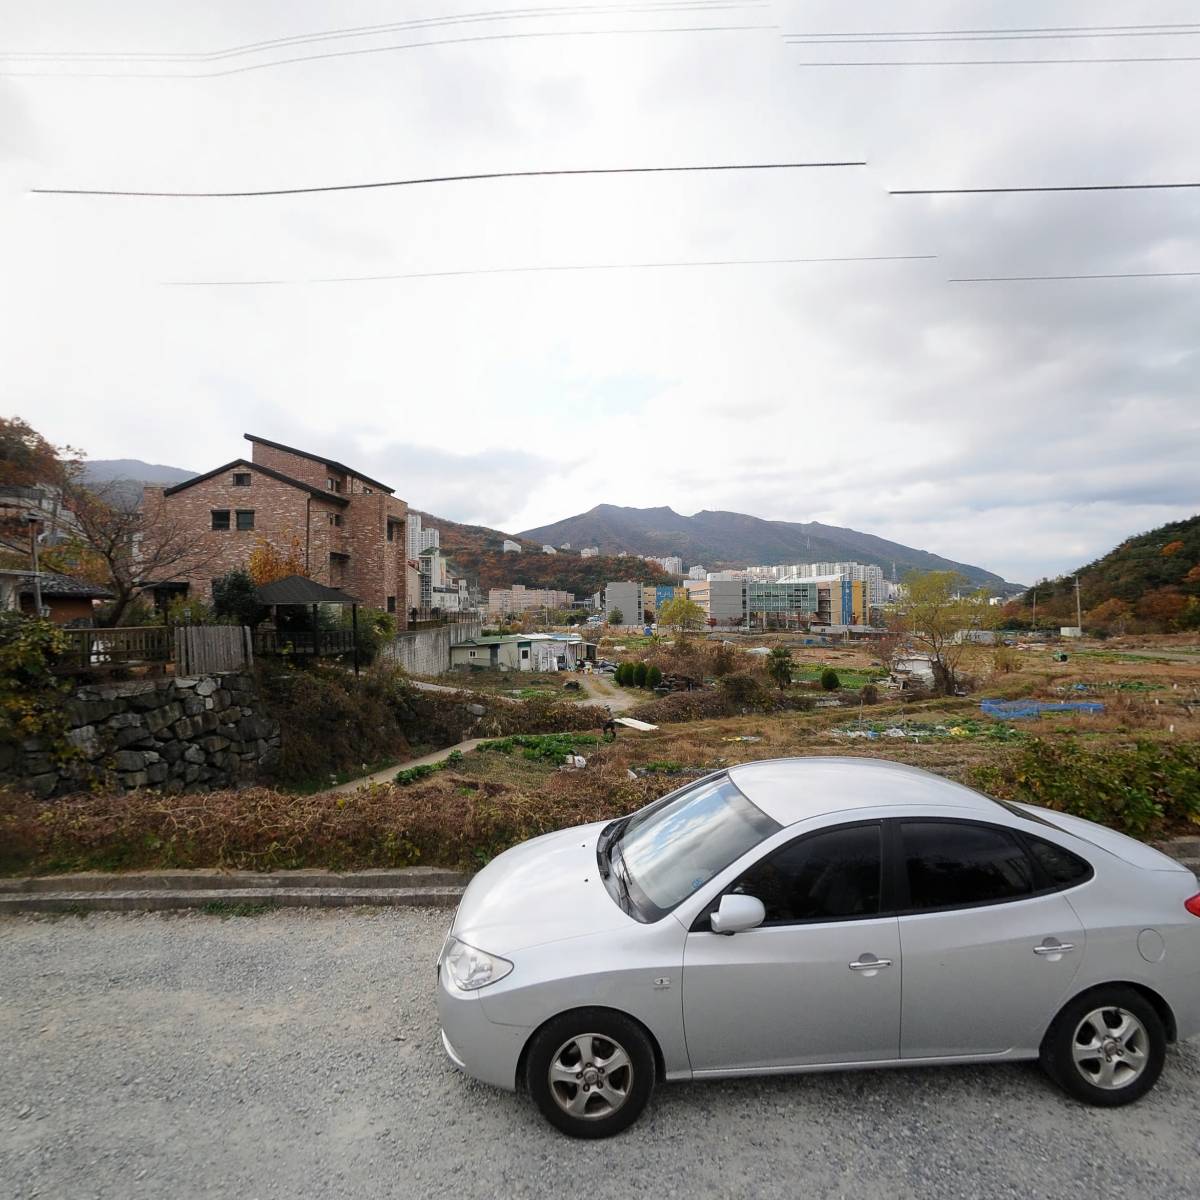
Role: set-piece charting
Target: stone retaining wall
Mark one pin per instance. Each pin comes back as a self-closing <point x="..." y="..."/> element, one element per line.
<point x="192" y="734"/>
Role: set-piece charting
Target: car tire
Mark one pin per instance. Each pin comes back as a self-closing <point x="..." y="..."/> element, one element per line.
<point x="570" y="1072"/>
<point x="1107" y="1047"/>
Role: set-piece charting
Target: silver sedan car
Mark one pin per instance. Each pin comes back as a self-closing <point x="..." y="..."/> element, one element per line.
<point x="815" y="914"/>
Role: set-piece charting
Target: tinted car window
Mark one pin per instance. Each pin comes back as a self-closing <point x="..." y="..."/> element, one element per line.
<point x="1063" y="867"/>
<point x="831" y="875"/>
<point x="957" y="864"/>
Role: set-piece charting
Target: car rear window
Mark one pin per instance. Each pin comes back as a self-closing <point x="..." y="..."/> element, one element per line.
<point x="1063" y="868"/>
<point x="955" y="864"/>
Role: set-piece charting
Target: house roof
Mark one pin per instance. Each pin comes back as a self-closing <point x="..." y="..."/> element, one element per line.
<point x="54" y="584"/>
<point x="341" y="468"/>
<point x="296" y="589"/>
<point x="332" y="497"/>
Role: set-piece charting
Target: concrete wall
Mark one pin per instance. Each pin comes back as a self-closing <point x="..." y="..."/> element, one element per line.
<point x="427" y="651"/>
<point x="187" y="734"/>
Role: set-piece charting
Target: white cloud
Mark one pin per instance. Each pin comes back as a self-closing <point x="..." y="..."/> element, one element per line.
<point x="1023" y="427"/>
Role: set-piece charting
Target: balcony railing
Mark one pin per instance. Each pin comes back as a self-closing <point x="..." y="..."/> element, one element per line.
<point x="320" y="643"/>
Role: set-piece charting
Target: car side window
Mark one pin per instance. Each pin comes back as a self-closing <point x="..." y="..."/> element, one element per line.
<point x="828" y="876"/>
<point x="1063" y="868"/>
<point x="953" y="864"/>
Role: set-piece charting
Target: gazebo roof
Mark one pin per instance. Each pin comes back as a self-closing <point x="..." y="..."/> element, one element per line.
<point x="296" y="589"/>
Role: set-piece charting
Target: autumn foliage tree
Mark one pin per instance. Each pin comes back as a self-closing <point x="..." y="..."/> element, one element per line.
<point x="268" y="563"/>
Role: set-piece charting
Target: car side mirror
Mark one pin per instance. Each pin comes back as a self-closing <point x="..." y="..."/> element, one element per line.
<point x="737" y="914"/>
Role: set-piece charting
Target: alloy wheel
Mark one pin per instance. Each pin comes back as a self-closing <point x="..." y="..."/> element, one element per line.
<point x="1110" y="1048"/>
<point x="590" y="1076"/>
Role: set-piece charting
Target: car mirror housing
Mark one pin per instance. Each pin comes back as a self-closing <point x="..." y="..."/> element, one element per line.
<point x="737" y="914"/>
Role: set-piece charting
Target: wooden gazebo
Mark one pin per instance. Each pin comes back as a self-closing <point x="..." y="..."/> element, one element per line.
<point x="298" y="591"/>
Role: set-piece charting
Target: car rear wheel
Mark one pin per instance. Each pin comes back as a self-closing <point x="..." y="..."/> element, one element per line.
<point x="591" y="1072"/>
<point x="1107" y="1047"/>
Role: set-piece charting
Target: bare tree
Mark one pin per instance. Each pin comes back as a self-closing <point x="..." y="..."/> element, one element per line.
<point x="127" y="547"/>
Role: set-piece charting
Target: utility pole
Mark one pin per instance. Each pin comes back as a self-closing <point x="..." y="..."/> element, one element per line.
<point x="33" y="551"/>
<point x="1078" y="610"/>
<point x="1033" y="622"/>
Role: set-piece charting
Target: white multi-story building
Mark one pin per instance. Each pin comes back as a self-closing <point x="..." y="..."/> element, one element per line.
<point x="511" y="547"/>
<point x="420" y="538"/>
<point x="672" y="563"/>
<point x="589" y="552"/>
<point x="697" y="572"/>
<point x="868" y="573"/>
<point x="548" y="549"/>
<point x="519" y="598"/>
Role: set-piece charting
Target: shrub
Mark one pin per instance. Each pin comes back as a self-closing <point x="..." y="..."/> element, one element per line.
<point x="742" y="689"/>
<point x="1142" y="789"/>
<point x="31" y="695"/>
<point x="235" y="598"/>
<point x="869" y="694"/>
<point x="779" y="666"/>
<point x="375" y="628"/>
<point x="829" y="680"/>
<point x="546" y="747"/>
<point x="653" y="677"/>
<point x="639" y="675"/>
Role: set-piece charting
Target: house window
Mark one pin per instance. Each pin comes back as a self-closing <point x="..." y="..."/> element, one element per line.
<point x="366" y="491"/>
<point x="391" y="605"/>
<point x="335" y="519"/>
<point x="241" y="479"/>
<point x="220" y="518"/>
<point x="471" y="653"/>
<point x="391" y="528"/>
<point x="333" y="485"/>
<point x="245" y="518"/>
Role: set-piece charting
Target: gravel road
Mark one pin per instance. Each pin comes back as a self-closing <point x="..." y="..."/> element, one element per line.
<point x="295" y="1055"/>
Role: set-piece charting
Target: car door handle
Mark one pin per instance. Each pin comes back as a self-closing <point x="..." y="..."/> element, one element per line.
<point x="869" y="964"/>
<point x="1058" y="948"/>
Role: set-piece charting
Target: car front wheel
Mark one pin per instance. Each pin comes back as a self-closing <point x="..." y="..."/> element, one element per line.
<point x="1106" y="1047"/>
<point x="591" y="1072"/>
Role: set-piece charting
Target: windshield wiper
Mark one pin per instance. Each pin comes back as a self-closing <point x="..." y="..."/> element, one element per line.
<point x="606" y="842"/>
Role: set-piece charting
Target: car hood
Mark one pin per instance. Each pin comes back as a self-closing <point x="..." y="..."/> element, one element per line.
<point x="543" y="890"/>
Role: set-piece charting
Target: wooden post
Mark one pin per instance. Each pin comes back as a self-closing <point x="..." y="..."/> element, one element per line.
<point x="354" y="633"/>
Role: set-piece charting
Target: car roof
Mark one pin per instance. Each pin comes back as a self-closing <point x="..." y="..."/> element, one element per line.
<point x="794" y="789"/>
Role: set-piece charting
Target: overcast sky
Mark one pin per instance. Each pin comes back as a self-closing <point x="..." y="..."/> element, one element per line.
<point x="1024" y="427"/>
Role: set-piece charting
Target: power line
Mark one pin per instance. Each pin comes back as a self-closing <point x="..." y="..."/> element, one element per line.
<point x="1080" y="29"/>
<point x="1046" y="278"/>
<point x="632" y="266"/>
<point x="999" y="62"/>
<point x="1081" y="187"/>
<point x="951" y="39"/>
<point x="303" y="58"/>
<point x="352" y="187"/>
<point x="353" y="31"/>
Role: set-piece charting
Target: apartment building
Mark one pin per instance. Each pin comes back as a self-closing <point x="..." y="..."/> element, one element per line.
<point x="672" y="563"/>
<point x="519" y="598"/>
<point x="349" y="530"/>
<point x="421" y="537"/>
<point x="625" y="598"/>
<point x="655" y="595"/>
<point x="831" y="600"/>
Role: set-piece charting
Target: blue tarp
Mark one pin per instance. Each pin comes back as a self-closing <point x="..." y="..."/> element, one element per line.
<point x="1016" y="709"/>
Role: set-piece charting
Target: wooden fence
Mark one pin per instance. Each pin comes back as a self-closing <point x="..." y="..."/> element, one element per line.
<point x="320" y="642"/>
<point x="125" y="646"/>
<point x="212" y="649"/>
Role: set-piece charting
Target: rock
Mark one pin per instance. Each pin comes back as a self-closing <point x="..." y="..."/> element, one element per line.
<point x="136" y="735"/>
<point x="220" y="700"/>
<point x="37" y="764"/>
<point x="157" y="772"/>
<point x="194" y="754"/>
<point x="205" y="722"/>
<point x="172" y="751"/>
<point x="477" y="710"/>
<point x="31" y="745"/>
<point x="206" y="687"/>
<point x="159" y="718"/>
<point x="191" y="773"/>
<point x="213" y="743"/>
<point x="186" y="682"/>
<point x="193" y="705"/>
<point x="184" y="729"/>
<point x="130" y="760"/>
<point x="134" y="779"/>
<point x="122" y="720"/>
<point x="42" y="786"/>
<point x="151" y="756"/>
<point x="174" y="786"/>
<point x="143" y="701"/>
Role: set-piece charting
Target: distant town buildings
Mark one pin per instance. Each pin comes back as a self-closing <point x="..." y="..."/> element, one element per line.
<point x="697" y="572"/>
<point x="519" y="599"/>
<point x="672" y="563"/>
<point x="589" y="552"/>
<point x="548" y="549"/>
<point x="511" y="547"/>
<point x="419" y="537"/>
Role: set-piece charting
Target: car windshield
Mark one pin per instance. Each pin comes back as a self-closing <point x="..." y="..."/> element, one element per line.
<point x="669" y="849"/>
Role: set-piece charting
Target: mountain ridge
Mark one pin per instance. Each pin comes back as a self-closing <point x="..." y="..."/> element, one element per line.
<point x="721" y="538"/>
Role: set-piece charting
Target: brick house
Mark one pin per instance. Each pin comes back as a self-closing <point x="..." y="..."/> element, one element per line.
<point x="349" y="529"/>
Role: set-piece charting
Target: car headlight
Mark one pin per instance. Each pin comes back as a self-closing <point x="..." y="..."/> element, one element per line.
<point x="470" y="968"/>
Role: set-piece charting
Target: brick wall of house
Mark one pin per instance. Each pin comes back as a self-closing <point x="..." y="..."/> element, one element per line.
<point x="294" y="466"/>
<point x="281" y="512"/>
